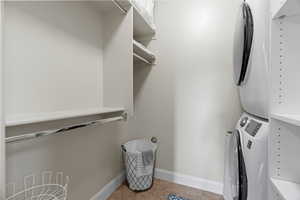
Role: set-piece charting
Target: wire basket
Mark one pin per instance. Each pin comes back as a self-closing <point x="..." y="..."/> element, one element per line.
<point x="139" y="177"/>
<point x="44" y="186"/>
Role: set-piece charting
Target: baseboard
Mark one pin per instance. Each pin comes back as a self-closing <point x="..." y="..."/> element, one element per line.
<point x="191" y="181"/>
<point x="108" y="189"/>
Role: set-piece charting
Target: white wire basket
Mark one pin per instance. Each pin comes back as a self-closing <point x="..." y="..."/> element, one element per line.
<point x="44" y="186"/>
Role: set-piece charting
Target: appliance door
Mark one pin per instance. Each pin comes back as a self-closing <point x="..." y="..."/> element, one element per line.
<point x="242" y="42"/>
<point x="236" y="187"/>
<point x="231" y="185"/>
<point x="242" y="173"/>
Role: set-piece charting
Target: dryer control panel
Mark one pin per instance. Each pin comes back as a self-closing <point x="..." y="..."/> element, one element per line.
<point x="253" y="127"/>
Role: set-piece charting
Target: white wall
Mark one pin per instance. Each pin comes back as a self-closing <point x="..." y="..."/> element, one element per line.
<point x="66" y="60"/>
<point x="189" y="100"/>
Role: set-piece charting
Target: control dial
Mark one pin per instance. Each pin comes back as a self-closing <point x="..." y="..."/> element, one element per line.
<point x="244" y="121"/>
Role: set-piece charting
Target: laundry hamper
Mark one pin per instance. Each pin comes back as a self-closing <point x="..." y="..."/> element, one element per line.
<point x="139" y="158"/>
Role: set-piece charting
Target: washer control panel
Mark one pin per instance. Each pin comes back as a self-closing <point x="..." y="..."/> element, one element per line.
<point x="253" y="127"/>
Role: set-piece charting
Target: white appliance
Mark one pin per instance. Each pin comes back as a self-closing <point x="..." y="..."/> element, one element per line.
<point x="246" y="172"/>
<point x="251" y="56"/>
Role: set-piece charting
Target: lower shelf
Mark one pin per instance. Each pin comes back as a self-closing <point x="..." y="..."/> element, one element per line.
<point x="43" y="117"/>
<point x="286" y="189"/>
<point x="142" y="52"/>
<point x="288" y="118"/>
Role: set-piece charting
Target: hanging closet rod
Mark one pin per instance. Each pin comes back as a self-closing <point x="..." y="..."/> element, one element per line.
<point x="117" y="4"/>
<point x="30" y="136"/>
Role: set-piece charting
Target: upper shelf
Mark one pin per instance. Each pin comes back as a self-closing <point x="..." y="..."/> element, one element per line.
<point x="43" y="117"/>
<point x="286" y="189"/>
<point x="288" y="118"/>
<point x="111" y="6"/>
<point x="123" y="4"/>
<point x="287" y="8"/>
<point x="141" y="26"/>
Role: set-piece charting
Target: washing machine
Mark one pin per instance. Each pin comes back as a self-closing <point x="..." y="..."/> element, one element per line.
<point x="246" y="171"/>
<point x="247" y="147"/>
<point x="251" y="55"/>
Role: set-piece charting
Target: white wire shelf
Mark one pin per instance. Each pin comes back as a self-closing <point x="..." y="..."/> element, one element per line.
<point x="286" y="189"/>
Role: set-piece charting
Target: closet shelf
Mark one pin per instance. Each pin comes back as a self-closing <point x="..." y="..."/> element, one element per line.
<point x="142" y="22"/>
<point x="112" y="6"/>
<point x="142" y="53"/>
<point x="43" y="117"/>
<point x="288" y="118"/>
<point x="287" y="8"/>
<point x="123" y="4"/>
<point x="286" y="189"/>
<point x="141" y="26"/>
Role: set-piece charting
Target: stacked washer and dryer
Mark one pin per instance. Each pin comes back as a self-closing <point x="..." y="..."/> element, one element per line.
<point x="246" y="170"/>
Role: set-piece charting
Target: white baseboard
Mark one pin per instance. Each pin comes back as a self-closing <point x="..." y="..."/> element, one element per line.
<point x="191" y="181"/>
<point x="108" y="189"/>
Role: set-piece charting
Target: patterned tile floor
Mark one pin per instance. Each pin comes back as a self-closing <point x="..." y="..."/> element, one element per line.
<point x="160" y="190"/>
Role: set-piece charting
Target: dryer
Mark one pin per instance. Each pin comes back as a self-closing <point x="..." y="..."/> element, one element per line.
<point x="251" y="43"/>
<point x="246" y="171"/>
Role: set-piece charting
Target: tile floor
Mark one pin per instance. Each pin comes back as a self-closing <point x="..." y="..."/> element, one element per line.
<point x="160" y="191"/>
